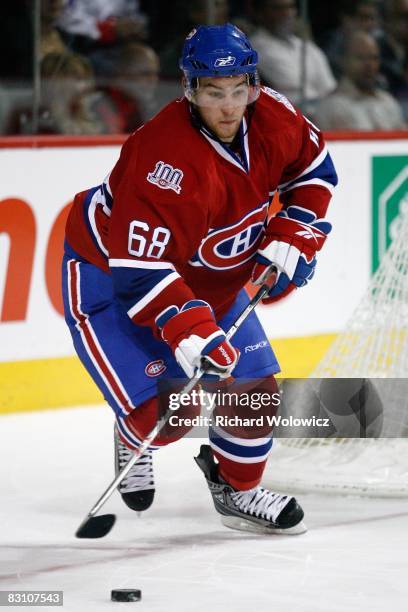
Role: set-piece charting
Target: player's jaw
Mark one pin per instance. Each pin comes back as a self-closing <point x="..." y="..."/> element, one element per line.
<point x="223" y="122"/>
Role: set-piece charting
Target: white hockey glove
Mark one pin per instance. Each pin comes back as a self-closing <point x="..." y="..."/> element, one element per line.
<point x="290" y="244"/>
<point x="196" y="339"/>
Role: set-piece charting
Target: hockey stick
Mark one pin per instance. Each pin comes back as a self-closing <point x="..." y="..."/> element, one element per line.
<point x="99" y="526"/>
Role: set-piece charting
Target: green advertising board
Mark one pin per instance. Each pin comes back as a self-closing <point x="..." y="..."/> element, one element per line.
<point x="389" y="198"/>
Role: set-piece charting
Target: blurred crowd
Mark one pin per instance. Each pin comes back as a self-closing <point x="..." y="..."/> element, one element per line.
<point x="107" y="66"/>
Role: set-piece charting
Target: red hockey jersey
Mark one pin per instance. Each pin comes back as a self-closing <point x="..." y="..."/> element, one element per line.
<point x="181" y="215"/>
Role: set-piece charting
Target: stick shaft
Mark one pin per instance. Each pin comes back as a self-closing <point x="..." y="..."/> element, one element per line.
<point x="261" y="293"/>
<point x="160" y="424"/>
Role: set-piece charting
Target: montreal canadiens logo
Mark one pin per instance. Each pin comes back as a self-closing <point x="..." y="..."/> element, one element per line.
<point x="155" y="368"/>
<point x="232" y="246"/>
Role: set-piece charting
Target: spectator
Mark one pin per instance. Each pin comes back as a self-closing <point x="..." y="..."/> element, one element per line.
<point x="91" y="24"/>
<point x="354" y="15"/>
<point x="197" y="13"/>
<point x="201" y="13"/>
<point x="358" y="103"/>
<point x="128" y="85"/>
<point x="280" y="53"/>
<point x="51" y="40"/>
<point x="394" y="49"/>
<point x="67" y="96"/>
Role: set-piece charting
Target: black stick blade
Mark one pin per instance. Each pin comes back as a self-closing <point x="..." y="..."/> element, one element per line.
<point x="96" y="526"/>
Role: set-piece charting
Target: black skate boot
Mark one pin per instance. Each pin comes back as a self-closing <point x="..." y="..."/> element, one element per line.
<point x="257" y="510"/>
<point x="137" y="489"/>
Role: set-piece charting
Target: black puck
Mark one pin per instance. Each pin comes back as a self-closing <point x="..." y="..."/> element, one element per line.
<point x="126" y="595"/>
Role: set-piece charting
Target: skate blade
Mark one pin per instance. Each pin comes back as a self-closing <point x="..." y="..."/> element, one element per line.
<point x="234" y="522"/>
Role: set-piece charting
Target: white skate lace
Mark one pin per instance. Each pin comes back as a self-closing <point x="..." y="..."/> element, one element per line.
<point x="140" y="477"/>
<point x="260" y="502"/>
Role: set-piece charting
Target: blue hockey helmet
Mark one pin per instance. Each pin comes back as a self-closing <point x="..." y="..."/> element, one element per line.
<point x="218" y="51"/>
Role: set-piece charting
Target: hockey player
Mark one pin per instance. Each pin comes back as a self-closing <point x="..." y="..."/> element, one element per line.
<point x="157" y="256"/>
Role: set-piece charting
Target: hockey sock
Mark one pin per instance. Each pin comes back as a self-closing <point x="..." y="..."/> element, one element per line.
<point x="241" y="449"/>
<point x="141" y="421"/>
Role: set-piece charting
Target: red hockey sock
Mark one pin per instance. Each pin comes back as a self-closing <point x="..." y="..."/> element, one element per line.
<point x="142" y="420"/>
<point x="242" y="451"/>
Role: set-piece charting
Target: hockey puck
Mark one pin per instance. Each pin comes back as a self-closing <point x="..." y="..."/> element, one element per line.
<point x="126" y="595"/>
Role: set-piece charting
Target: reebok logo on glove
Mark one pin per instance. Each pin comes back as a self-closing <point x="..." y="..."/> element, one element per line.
<point x="308" y="234"/>
<point x="224" y="353"/>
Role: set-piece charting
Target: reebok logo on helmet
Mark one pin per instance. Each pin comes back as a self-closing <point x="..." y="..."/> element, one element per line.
<point x="224" y="61"/>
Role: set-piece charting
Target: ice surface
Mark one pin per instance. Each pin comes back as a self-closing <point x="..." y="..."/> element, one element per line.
<point x="55" y="464"/>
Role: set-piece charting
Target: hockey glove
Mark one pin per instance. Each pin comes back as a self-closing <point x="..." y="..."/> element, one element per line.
<point x="196" y="339"/>
<point x="290" y="244"/>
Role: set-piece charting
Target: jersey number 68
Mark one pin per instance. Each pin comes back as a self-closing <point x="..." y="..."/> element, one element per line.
<point x="155" y="242"/>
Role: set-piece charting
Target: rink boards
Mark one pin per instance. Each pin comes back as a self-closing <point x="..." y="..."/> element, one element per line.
<point x="39" y="178"/>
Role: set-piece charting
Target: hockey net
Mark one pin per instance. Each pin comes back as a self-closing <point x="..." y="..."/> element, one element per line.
<point x="375" y="347"/>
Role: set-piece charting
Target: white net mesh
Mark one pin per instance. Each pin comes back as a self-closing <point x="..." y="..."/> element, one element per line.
<point x="372" y="467"/>
<point x="375" y="343"/>
<point x="374" y="346"/>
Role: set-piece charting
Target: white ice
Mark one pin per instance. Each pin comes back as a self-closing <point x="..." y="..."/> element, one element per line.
<point x="55" y="464"/>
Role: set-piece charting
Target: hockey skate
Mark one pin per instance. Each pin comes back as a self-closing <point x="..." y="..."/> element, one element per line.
<point x="257" y="510"/>
<point x="137" y="489"/>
